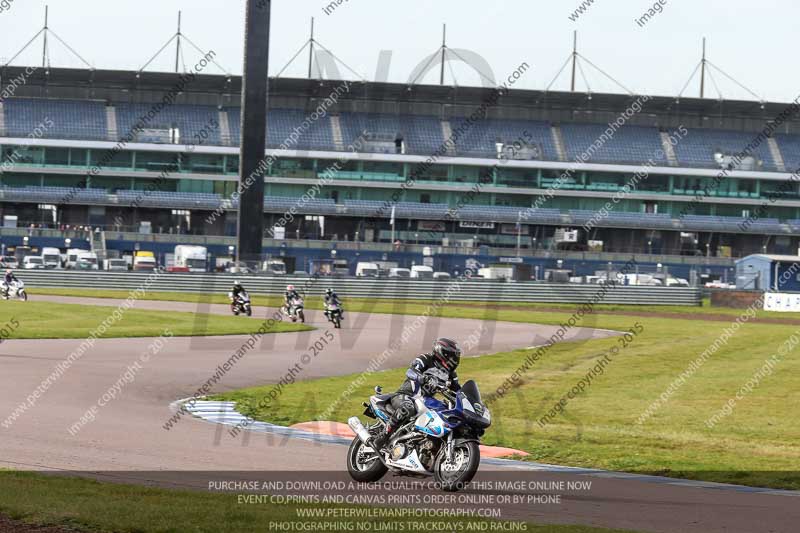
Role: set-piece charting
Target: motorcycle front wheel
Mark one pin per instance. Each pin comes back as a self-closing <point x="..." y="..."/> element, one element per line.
<point x="363" y="464"/>
<point x="302" y="316"/>
<point x="455" y="474"/>
<point x="23" y="296"/>
<point x="249" y="311"/>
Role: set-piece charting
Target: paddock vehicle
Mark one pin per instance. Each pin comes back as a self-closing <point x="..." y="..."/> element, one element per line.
<point x="33" y="262"/>
<point x="240" y="304"/>
<point x="144" y="261"/>
<point x="9" y="261"/>
<point x="15" y="290"/>
<point x="51" y="258"/>
<point x="367" y="270"/>
<point x="442" y="439"/>
<point x="421" y="272"/>
<point x="402" y="273"/>
<point x="190" y="258"/>
<point x="115" y="264"/>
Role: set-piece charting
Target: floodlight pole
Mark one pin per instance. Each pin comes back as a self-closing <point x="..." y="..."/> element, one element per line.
<point x="250" y="220"/>
<point x="574" y="58"/>
<point x="703" y="71"/>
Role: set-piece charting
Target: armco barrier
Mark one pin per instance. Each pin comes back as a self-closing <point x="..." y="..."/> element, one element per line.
<point x="472" y="290"/>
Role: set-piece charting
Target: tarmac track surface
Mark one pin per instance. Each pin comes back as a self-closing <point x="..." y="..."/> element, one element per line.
<point x="127" y="441"/>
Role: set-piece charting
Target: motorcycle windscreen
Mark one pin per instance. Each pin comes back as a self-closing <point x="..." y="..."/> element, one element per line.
<point x="470" y="390"/>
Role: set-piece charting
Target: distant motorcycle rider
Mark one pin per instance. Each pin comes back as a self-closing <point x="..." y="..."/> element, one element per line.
<point x="8" y="280"/>
<point x="290" y="295"/>
<point x="444" y="355"/>
<point x="331" y="298"/>
<point x="238" y="290"/>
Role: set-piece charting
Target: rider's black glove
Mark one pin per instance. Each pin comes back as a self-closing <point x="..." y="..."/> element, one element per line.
<point x="428" y="383"/>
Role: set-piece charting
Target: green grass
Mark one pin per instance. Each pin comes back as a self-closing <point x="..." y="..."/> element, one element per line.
<point x="756" y="445"/>
<point x="88" y="505"/>
<point x="406" y="306"/>
<point x="45" y="320"/>
<point x="759" y="444"/>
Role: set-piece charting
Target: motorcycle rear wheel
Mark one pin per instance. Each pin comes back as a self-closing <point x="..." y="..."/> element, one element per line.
<point x="454" y="476"/>
<point x="358" y="470"/>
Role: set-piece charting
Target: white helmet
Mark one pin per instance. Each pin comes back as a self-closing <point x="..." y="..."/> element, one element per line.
<point x="290" y="287"/>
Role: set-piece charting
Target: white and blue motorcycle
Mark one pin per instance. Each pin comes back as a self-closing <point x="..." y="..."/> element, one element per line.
<point x="442" y="440"/>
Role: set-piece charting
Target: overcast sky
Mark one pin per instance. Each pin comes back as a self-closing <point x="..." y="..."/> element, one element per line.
<point x="755" y="42"/>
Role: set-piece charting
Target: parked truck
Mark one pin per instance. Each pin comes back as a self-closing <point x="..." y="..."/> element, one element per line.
<point x="51" y="257"/>
<point x="190" y="259"/>
<point x="144" y="261"/>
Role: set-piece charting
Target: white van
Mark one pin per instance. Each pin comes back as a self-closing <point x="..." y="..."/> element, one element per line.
<point x="87" y="261"/>
<point x="402" y="273"/>
<point x="115" y="264"/>
<point x="33" y="262"/>
<point x="421" y="272"/>
<point x="72" y="257"/>
<point x="367" y="270"/>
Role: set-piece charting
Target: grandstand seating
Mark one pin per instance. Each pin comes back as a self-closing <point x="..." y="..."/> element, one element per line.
<point x="628" y="144"/>
<point x="55" y="195"/>
<point x="315" y="206"/>
<point x="68" y="119"/>
<point x="790" y="150"/>
<point x="169" y="199"/>
<point x="421" y="134"/>
<point x="481" y="138"/>
<point x="697" y="148"/>
<point x="281" y="123"/>
<point x="622" y="219"/>
<point x="190" y="120"/>
<point x="500" y="213"/>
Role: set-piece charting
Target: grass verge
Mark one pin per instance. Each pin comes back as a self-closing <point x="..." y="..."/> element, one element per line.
<point x="45" y="320"/>
<point x="757" y="444"/>
<point x="409" y="306"/>
<point x="88" y="505"/>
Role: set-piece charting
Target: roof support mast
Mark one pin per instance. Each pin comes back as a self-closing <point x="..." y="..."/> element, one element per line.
<point x="444" y="53"/>
<point x="178" y="46"/>
<point x="574" y="58"/>
<point x="703" y="71"/>
<point x="311" y="48"/>
<point x="44" y="41"/>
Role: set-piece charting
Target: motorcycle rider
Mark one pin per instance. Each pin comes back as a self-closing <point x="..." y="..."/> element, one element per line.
<point x="238" y="290"/>
<point x="8" y="280"/>
<point x="331" y="298"/>
<point x="290" y="295"/>
<point x="444" y="355"/>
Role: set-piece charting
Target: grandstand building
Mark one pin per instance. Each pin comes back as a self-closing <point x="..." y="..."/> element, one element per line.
<point x="382" y="170"/>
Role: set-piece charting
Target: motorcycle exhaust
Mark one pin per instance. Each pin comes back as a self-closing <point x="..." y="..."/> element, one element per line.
<point x="356" y="425"/>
